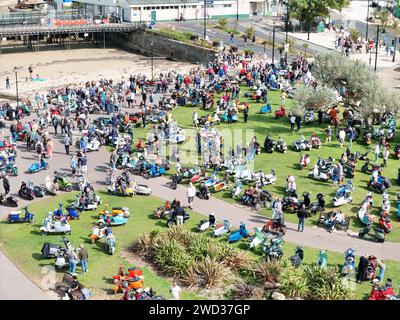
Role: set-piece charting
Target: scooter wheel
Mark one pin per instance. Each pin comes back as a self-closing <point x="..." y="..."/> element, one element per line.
<point x="43" y="233"/>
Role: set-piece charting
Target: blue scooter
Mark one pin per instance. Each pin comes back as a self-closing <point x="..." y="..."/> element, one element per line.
<point x="36" y="167"/>
<point x="155" y="171"/>
<point x="349" y="262"/>
<point x="266" y="109"/>
<point x="14" y="216"/>
<point x="238" y="234"/>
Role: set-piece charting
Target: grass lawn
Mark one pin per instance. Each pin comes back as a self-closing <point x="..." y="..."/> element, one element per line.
<point x="22" y="244"/>
<point x="284" y="164"/>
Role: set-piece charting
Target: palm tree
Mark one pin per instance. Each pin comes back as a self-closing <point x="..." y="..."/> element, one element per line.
<point x="395" y="24"/>
<point x="223" y="22"/>
<point x="250" y="32"/>
<point x="384" y="17"/>
<point x="354" y="34"/>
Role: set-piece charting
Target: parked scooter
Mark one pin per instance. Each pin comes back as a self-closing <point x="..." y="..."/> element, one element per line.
<point x="378" y="235"/>
<point x="343" y="195"/>
<point x="281" y="146"/>
<point x="14" y="216"/>
<point x="62" y="181"/>
<point x="51" y="188"/>
<point x="51" y="226"/>
<point x="322" y="260"/>
<point x="304" y="161"/>
<point x="110" y="243"/>
<point x="297" y="258"/>
<point x="8" y="201"/>
<point x="222" y="229"/>
<point x="238" y="234"/>
<point x="50" y="250"/>
<point x="316" y="174"/>
<point x="349" y="262"/>
<point x="205" y="224"/>
<point x="273" y="251"/>
<point x="26" y="192"/>
<point x="237" y="189"/>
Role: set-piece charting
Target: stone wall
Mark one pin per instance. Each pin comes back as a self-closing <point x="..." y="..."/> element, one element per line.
<point x="140" y="41"/>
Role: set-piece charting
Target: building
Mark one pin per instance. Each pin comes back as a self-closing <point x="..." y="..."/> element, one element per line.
<point x="170" y="10"/>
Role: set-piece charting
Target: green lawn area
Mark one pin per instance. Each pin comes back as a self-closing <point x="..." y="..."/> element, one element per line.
<point x="22" y="244"/>
<point x="283" y="164"/>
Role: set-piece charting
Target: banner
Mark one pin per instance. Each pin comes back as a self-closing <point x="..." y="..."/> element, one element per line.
<point x="60" y="23"/>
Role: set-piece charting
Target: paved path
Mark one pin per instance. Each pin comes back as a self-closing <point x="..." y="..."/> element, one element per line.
<point x="14" y="285"/>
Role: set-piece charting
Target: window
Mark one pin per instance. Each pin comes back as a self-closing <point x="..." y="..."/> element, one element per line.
<point x="227" y="5"/>
<point x="157" y="8"/>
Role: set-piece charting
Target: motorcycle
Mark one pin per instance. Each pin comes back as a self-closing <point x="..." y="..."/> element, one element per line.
<point x="14" y="216"/>
<point x="205" y="224"/>
<point x="238" y="234"/>
<point x="304" y="161"/>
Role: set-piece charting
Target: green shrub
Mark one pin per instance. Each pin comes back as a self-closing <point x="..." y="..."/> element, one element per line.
<point x="171" y="258"/>
<point x="294" y="283"/>
<point x="212" y="273"/>
<point x="198" y="247"/>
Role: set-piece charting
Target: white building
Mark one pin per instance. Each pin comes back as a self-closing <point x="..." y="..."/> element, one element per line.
<point x="171" y="10"/>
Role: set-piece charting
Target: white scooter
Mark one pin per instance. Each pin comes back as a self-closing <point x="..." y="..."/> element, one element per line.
<point x="222" y="229"/>
<point x="140" y="189"/>
<point x="53" y="227"/>
<point x="343" y="195"/>
<point x="262" y="179"/>
<point x="237" y="189"/>
<point x="257" y="239"/>
<point x="205" y="224"/>
<point x="385" y="202"/>
<point x="316" y="174"/>
<point x="93" y="145"/>
<point x="110" y="243"/>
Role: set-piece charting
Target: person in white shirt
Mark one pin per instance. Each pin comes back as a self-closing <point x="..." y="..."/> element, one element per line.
<point x="342" y="136"/>
<point x="176" y="291"/>
<point x="377" y="151"/>
<point x="195" y="118"/>
<point x="191" y="192"/>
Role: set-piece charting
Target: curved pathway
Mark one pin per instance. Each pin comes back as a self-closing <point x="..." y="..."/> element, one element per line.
<point x="313" y="237"/>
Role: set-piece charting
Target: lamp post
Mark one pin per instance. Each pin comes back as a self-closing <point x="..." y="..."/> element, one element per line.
<point x="205" y="21"/>
<point x="16" y="84"/>
<point x="273" y="44"/>
<point x="376" y="46"/>
<point x="309" y="20"/>
<point x="152" y="61"/>
<point x="394" y="49"/>
<point x="366" y="30"/>
<point x="237" y="11"/>
<point x="287" y="28"/>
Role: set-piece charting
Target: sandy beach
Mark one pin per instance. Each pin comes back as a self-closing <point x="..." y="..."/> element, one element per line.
<point x="76" y="67"/>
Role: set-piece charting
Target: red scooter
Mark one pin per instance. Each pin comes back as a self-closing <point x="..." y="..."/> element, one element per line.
<point x="280" y="113"/>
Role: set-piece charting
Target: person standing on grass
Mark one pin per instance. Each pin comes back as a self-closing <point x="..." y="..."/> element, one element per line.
<point x="302" y="215"/>
<point x="377" y="151"/>
<point x="385" y="155"/>
<point x="342" y="136"/>
<point x="175" y="291"/>
<point x="328" y="134"/>
<point x="83" y="257"/>
<point x="73" y="261"/>
<point x="191" y="192"/>
<point x="292" y="122"/>
<point x="195" y="118"/>
<point x="245" y="114"/>
<point x="298" y="122"/>
<point x="320" y="115"/>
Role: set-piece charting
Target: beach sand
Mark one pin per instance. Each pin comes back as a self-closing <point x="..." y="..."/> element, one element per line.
<point x="76" y="66"/>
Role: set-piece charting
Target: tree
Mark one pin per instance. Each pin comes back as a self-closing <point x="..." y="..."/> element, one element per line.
<point x="384" y="17"/>
<point x="395" y="23"/>
<point x="223" y="22"/>
<point x="308" y="10"/>
<point x="307" y="97"/>
<point x="249" y="32"/>
<point x="305" y="46"/>
<point x="354" y="34"/>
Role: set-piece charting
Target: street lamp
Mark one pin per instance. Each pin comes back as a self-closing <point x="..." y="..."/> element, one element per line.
<point x="366" y="30"/>
<point x="16" y="84"/>
<point x="273" y="44"/>
<point x="152" y="61"/>
<point x="309" y="20"/>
